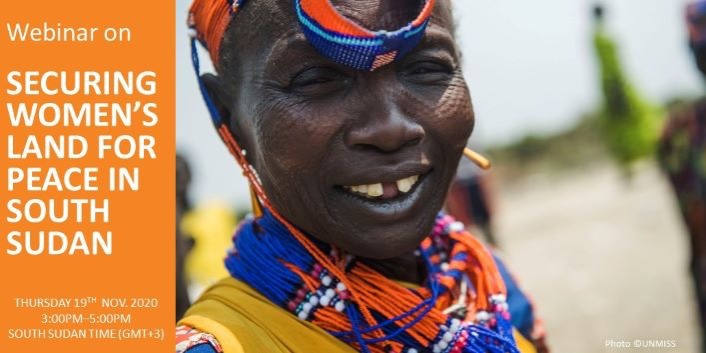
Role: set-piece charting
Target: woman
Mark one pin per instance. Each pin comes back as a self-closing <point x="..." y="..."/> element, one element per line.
<point x="349" y="138"/>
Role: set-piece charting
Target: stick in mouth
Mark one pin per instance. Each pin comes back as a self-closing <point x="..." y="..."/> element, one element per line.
<point x="476" y="158"/>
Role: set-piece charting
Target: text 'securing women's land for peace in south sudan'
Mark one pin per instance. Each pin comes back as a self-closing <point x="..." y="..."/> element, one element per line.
<point x="43" y="111"/>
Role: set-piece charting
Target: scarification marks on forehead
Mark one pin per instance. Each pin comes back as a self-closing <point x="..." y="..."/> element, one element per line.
<point x="255" y="28"/>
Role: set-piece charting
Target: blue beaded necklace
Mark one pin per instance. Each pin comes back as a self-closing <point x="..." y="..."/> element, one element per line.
<point x="267" y="257"/>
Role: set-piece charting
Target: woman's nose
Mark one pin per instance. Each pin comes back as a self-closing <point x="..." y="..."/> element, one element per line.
<point x="386" y="131"/>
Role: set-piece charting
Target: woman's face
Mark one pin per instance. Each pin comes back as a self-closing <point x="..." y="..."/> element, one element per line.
<point x="361" y="160"/>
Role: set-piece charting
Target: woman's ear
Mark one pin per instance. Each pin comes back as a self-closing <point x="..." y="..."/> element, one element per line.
<point x="219" y="96"/>
<point x="223" y="102"/>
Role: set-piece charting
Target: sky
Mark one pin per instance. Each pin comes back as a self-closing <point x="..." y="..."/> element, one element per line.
<point x="530" y="66"/>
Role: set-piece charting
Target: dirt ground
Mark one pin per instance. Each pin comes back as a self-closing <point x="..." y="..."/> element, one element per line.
<point x="604" y="259"/>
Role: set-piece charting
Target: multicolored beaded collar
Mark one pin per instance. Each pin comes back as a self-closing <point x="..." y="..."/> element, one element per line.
<point x="452" y="313"/>
<point x="332" y="34"/>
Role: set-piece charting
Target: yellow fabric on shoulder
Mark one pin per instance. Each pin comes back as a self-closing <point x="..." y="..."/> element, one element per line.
<point x="523" y="344"/>
<point x="243" y="321"/>
<point x="255" y="323"/>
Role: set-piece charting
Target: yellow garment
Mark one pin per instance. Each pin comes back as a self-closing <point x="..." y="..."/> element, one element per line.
<point x="243" y="321"/>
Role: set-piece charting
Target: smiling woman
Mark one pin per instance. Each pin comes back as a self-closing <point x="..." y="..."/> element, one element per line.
<point x="349" y="119"/>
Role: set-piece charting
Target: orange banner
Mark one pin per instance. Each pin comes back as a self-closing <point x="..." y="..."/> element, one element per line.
<point x="87" y="176"/>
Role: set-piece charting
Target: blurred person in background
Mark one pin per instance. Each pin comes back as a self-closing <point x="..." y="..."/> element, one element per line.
<point x="470" y="199"/>
<point x="203" y="235"/>
<point x="628" y="123"/>
<point x="183" y="241"/>
<point x="682" y="155"/>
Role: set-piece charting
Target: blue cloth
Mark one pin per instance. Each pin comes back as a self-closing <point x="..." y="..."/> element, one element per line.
<point x="202" y="348"/>
<point x="522" y="315"/>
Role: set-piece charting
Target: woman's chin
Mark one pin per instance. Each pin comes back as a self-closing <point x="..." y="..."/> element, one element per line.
<point x="386" y="244"/>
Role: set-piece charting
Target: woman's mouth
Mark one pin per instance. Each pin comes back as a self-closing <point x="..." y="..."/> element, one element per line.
<point x="386" y="200"/>
<point x="384" y="190"/>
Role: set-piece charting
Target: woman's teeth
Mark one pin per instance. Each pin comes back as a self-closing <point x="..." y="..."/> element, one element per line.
<point x="404" y="185"/>
<point x="386" y="189"/>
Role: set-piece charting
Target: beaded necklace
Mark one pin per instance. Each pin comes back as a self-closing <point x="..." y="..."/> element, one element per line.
<point x="269" y="258"/>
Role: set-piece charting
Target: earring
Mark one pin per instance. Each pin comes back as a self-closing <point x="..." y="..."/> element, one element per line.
<point x="255" y="203"/>
<point x="476" y="158"/>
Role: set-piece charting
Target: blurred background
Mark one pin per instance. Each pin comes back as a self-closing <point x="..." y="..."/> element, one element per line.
<point x="598" y="241"/>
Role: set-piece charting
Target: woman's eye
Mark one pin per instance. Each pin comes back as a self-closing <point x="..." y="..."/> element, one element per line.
<point x="429" y="72"/>
<point x="426" y="68"/>
<point x="317" y="80"/>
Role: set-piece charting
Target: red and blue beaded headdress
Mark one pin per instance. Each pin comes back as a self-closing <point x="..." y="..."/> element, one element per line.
<point x="345" y="42"/>
<point x="332" y="34"/>
<point x="696" y="22"/>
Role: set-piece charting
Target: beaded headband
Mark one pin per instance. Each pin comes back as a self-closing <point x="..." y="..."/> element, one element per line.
<point x="345" y="42"/>
<point x="332" y="34"/>
<point x="210" y="19"/>
<point x="696" y="22"/>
